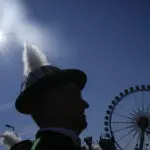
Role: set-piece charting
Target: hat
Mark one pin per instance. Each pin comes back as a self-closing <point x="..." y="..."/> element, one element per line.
<point x="38" y="74"/>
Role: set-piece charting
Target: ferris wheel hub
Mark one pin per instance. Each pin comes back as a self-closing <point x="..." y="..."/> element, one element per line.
<point x="142" y="122"/>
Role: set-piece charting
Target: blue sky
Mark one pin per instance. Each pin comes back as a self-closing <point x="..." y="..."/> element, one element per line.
<point x="109" y="40"/>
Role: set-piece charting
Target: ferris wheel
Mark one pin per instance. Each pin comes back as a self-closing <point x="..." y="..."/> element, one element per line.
<point x="127" y="119"/>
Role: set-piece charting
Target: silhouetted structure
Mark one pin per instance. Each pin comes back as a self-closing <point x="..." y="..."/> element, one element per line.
<point x="107" y="144"/>
<point x="88" y="141"/>
<point x="23" y="145"/>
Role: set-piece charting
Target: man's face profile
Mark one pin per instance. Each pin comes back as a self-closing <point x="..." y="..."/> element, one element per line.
<point x="66" y="104"/>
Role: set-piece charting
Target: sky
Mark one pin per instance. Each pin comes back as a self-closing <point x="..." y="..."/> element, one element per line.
<point x="109" y="40"/>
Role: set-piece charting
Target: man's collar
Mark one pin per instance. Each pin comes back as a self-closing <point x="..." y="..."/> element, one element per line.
<point x="65" y="132"/>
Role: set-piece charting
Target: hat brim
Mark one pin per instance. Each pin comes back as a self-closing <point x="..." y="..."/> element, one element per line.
<point x="23" y="102"/>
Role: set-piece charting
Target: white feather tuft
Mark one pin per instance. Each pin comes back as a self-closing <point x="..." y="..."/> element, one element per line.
<point x="33" y="58"/>
<point x="9" y="139"/>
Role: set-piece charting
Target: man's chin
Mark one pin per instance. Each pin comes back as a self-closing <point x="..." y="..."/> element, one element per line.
<point x="80" y="124"/>
<point x="82" y="128"/>
<point x="83" y="124"/>
<point x="84" y="121"/>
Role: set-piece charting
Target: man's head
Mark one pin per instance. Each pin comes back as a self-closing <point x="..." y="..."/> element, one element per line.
<point x="50" y="102"/>
<point x="62" y="106"/>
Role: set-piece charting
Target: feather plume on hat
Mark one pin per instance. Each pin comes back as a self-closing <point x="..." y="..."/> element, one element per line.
<point x="10" y="138"/>
<point x="33" y="58"/>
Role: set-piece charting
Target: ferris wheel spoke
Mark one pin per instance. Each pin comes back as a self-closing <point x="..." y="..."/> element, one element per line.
<point x="132" y="138"/>
<point x="134" y="111"/>
<point x="140" y="102"/>
<point x="133" y="114"/>
<point x="143" y="102"/>
<point x="130" y="118"/>
<point x="135" y="133"/>
<point x="135" y="101"/>
<point x="138" y="109"/>
<point x="148" y="135"/>
<point x="122" y="107"/>
<point x="121" y="129"/>
<point x="147" y="110"/>
<point x="122" y="122"/>
<point x="125" y="110"/>
<point x="126" y="135"/>
<point x="138" y="138"/>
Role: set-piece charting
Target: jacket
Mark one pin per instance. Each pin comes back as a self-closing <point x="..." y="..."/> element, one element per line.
<point x="49" y="140"/>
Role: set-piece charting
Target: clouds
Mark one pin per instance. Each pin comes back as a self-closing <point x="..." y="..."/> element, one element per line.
<point x="12" y="13"/>
<point x="10" y="138"/>
<point x="14" y="18"/>
<point x="18" y="25"/>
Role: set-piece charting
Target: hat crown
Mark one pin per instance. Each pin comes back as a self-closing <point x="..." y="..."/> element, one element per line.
<point x="37" y="74"/>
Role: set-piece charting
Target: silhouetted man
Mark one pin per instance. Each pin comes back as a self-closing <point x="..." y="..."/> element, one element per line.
<point x="53" y="98"/>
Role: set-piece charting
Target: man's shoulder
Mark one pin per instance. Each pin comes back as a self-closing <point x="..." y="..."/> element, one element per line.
<point x="52" y="140"/>
<point x="42" y="143"/>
